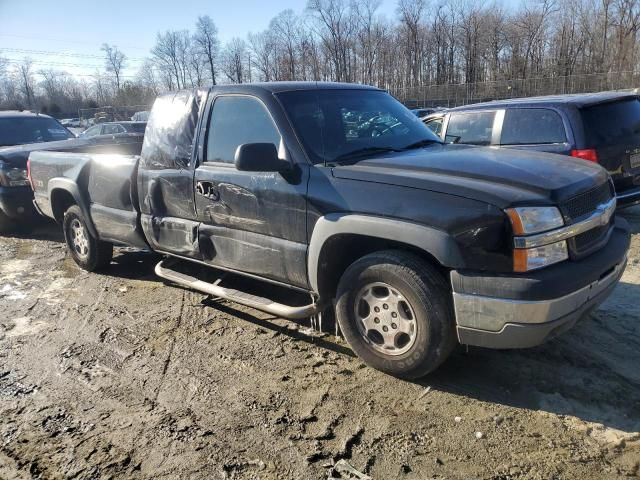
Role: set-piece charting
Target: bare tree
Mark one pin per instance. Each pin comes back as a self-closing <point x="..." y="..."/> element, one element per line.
<point x="336" y="28"/>
<point x="206" y="39"/>
<point x="234" y="59"/>
<point x="26" y="81"/>
<point x="115" y="62"/>
<point x="169" y="53"/>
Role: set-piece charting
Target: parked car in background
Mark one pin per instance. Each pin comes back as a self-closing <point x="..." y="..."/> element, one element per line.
<point x="20" y="127"/>
<point x="16" y="196"/>
<point x="338" y="192"/>
<point x="113" y="128"/>
<point x="70" y="122"/>
<point x="601" y="127"/>
<point x="423" y="112"/>
<point x="140" y="116"/>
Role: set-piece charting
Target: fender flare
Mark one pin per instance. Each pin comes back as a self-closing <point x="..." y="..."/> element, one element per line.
<point x="436" y="242"/>
<point x="71" y="188"/>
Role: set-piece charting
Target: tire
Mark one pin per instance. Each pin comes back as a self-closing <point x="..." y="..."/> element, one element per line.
<point x="87" y="251"/>
<point x="6" y="224"/>
<point x="413" y="303"/>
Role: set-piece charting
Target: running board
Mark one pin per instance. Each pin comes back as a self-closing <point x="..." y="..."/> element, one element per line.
<point x="243" y="298"/>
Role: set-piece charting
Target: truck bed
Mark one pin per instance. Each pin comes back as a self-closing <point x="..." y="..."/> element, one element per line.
<point x="104" y="182"/>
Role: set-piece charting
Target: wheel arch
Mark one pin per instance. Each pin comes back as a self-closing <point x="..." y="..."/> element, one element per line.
<point x="340" y="239"/>
<point x="62" y="194"/>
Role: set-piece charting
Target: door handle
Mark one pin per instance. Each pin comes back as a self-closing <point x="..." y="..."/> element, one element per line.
<point x="207" y="190"/>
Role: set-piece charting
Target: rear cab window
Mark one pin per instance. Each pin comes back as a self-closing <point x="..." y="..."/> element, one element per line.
<point x="472" y="128"/>
<point x="532" y="126"/>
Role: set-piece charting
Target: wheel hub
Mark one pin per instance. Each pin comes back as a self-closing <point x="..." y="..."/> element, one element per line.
<point x="79" y="238"/>
<point x="385" y="318"/>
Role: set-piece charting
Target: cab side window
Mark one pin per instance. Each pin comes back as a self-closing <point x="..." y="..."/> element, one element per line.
<point x="236" y="120"/>
<point x="473" y="128"/>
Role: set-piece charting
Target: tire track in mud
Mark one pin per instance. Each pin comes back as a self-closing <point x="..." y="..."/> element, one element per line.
<point x="172" y="333"/>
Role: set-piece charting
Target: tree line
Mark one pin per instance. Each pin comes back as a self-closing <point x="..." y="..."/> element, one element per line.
<point x="426" y="42"/>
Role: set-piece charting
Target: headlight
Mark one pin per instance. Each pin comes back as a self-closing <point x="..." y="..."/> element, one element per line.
<point x="525" y="259"/>
<point x="528" y="220"/>
<point x="532" y="220"/>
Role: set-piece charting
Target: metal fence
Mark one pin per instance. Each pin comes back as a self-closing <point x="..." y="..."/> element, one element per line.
<point x="451" y="95"/>
<point x="112" y="114"/>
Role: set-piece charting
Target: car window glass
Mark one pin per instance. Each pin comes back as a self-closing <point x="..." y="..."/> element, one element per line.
<point x="112" y="129"/>
<point x="236" y="120"/>
<point x="471" y="128"/>
<point x="358" y="122"/>
<point x="93" y="131"/>
<point x="435" y="125"/>
<point x="342" y="122"/>
<point x="530" y="126"/>
<point x="30" y="129"/>
<point x="600" y="130"/>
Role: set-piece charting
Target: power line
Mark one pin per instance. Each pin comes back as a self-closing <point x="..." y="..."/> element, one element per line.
<point x="16" y="61"/>
<point x="65" y="41"/>
<point x="61" y="54"/>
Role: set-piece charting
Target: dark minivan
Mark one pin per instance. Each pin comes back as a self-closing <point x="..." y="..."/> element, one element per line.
<point x="598" y="127"/>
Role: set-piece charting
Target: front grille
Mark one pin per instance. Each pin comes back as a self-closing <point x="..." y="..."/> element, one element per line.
<point x="574" y="209"/>
<point x="585" y="203"/>
<point x="586" y="242"/>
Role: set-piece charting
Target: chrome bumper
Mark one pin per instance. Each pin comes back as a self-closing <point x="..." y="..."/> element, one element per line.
<point x="505" y="323"/>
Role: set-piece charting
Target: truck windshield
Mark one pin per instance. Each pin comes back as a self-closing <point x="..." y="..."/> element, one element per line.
<point x="340" y="125"/>
<point x="21" y="130"/>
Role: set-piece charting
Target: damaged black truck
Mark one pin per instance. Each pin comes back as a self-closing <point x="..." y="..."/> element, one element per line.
<point x="340" y="192"/>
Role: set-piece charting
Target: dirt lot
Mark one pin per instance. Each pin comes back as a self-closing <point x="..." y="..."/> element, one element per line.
<point x="119" y="376"/>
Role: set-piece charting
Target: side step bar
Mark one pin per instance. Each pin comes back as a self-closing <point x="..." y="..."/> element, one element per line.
<point x="243" y="298"/>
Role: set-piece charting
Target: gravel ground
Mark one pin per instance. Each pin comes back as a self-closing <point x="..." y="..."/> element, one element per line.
<point x="117" y="375"/>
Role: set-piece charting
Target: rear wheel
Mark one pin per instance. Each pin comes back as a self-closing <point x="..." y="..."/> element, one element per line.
<point x="395" y="311"/>
<point x="87" y="251"/>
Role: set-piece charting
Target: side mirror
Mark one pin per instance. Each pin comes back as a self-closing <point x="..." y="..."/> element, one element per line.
<point x="259" y="157"/>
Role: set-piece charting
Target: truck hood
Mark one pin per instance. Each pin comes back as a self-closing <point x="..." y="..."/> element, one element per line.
<point x="501" y="177"/>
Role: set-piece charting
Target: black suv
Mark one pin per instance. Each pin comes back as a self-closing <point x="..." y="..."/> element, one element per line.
<point x="601" y="127"/>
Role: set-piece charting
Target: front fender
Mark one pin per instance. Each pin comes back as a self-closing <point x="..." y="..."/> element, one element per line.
<point x="437" y="243"/>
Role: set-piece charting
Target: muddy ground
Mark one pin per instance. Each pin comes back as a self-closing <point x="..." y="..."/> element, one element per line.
<point x="117" y="375"/>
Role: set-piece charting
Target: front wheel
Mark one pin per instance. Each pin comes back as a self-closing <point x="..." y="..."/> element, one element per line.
<point x="87" y="251"/>
<point x="395" y="311"/>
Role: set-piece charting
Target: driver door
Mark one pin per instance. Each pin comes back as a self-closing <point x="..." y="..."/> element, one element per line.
<point x="252" y="222"/>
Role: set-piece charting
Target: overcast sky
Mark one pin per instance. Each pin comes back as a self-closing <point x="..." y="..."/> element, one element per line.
<point x="67" y="35"/>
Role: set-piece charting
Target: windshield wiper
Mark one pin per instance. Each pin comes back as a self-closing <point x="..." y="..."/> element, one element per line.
<point x="421" y="143"/>
<point x="359" y="152"/>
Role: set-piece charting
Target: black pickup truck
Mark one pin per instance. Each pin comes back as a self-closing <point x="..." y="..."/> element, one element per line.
<point x="340" y="192"/>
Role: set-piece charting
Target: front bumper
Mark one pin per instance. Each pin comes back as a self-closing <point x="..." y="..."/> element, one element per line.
<point x="17" y="202"/>
<point x="521" y="311"/>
